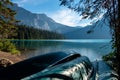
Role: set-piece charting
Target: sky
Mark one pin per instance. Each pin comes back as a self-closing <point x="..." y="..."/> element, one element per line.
<point x="52" y="8"/>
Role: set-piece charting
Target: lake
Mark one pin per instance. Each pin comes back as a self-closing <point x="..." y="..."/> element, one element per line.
<point x="92" y="48"/>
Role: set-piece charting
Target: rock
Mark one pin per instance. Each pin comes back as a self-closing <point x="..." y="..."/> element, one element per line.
<point x="5" y="62"/>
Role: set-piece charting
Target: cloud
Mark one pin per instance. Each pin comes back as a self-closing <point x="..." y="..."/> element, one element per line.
<point x="69" y="17"/>
<point x="20" y="2"/>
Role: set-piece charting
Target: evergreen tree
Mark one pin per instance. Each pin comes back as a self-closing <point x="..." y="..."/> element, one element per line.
<point x="7" y="27"/>
<point x="28" y="32"/>
<point x="94" y="8"/>
<point x="7" y="20"/>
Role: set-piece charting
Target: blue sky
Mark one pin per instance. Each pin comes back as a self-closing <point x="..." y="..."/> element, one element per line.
<point x="52" y="9"/>
<point x="39" y="6"/>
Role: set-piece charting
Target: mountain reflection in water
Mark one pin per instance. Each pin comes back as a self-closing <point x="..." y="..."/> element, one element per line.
<point x="92" y="48"/>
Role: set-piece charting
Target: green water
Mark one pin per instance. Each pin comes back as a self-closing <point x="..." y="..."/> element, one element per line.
<point x="92" y="48"/>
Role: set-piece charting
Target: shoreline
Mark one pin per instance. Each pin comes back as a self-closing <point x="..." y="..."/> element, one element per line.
<point x="9" y="56"/>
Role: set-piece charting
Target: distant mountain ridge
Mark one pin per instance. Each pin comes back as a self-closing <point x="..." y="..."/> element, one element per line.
<point x="42" y="21"/>
<point x="97" y="33"/>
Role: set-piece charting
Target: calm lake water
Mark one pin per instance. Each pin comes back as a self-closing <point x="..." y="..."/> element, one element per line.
<point x="94" y="49"/>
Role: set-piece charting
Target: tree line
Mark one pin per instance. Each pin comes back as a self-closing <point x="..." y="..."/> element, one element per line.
<point x="28" y="32"/>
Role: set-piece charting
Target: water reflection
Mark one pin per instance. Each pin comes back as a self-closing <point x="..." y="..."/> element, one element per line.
<point x="33" y="44"/>
<point x="94" y="49"/>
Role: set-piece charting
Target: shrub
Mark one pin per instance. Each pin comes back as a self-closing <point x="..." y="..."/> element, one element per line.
<point x="109" y="57"/>
<point x="7" y="46"/>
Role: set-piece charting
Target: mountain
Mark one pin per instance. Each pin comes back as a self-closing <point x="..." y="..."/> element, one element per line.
<point x="42" y="21"/>
<point x="98" y="32"/>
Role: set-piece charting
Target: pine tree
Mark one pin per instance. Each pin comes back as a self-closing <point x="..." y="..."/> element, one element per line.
<point x="7" y="28"/>
<point x="7" y="20"/>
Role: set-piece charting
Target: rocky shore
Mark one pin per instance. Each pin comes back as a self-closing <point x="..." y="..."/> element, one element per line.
<point x="7" y="59"/>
